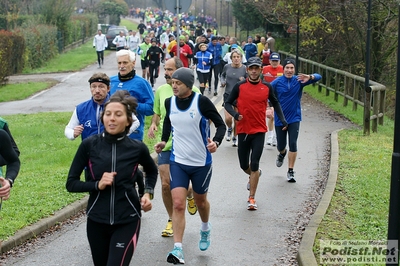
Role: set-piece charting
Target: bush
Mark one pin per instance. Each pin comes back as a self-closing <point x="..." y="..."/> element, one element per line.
<point x="42" y="40"/>
<point x="11" y="54"/>
<point x="80" y="27"/>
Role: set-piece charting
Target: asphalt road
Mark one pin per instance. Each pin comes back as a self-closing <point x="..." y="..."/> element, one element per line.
<point x="238" y="236"/>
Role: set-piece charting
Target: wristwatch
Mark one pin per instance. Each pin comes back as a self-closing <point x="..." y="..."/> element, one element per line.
<point x="311" y="77"/>
<point x="11" y="182"/>
<point x="150" y="191"/>
<point x="217" y="142"/>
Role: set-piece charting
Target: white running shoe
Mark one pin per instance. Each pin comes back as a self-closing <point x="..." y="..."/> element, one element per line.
<point x="269" y="140"/>
<point x="274" y="142"/>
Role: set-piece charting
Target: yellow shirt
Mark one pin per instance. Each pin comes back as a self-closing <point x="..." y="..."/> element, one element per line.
<point x="170" y="45"/>
<point x="260" y="47"/>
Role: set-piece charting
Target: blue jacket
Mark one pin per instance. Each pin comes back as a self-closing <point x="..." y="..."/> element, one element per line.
<point x="87" y="116"/>
<point x="250" y="49"/>
<point x="203" y="57"/>
<point x="139" y="88"/>
<point x="289" y="93"/>
<point x="216" y="51"/>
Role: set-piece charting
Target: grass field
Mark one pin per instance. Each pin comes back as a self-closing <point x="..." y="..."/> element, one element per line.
<point x="360" y="204"/>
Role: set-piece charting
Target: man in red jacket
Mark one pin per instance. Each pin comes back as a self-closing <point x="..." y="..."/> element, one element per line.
<point x="185" y="52"/>
<point x="251" y="96"/>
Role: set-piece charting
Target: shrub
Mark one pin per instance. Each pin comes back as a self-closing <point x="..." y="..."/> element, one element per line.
<point x="42" y="40"/>
<point x="11" y="54"/>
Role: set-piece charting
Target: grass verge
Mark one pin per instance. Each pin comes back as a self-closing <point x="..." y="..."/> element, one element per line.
<point x="46" y="155"/>
<point x="360" y="204"/>
<point x="73" y="60"/>
<point x="20" y="91"/>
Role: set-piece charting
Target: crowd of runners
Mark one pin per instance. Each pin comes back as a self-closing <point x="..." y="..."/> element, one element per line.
<point x="257" y="91"/>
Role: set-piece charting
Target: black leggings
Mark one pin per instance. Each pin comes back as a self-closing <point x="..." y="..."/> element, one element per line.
<point x="217" y="71"/>
<point x="112" y="244"/>
<point x="253" y="143"/>
<point x="203" y="78"/>
<point x="100" y="57"/>
<point x="153" y="69"/>
<point x="281" y="136"/>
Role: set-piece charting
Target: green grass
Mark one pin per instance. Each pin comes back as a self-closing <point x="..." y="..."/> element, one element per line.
<point x="20" y="91"/>
<point x="73" y="60"/>
<point x="45" y="157"/>
<point x="360" y="204"/>
<point x="129" y="24"/>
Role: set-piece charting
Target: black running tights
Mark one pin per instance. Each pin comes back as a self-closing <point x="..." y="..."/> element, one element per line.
<point x="112" y="244"/>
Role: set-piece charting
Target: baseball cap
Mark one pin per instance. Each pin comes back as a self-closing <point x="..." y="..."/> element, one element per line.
<point x="153" y="39"/>
<point x="274" y="57"/>
<point x="234" y="46"/>
<point x="254" y="61"/>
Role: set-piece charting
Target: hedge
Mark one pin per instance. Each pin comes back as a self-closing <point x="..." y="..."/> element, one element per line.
<point x="11" y="54"/>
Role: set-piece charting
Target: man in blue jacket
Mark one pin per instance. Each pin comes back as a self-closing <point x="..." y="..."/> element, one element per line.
<point x="289" y="89"/>
<point x="137" y="86"/>
<point x="215" y="48"/>
<point x="250" y="48"/>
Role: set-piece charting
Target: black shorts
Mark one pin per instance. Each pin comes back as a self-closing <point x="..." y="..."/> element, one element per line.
<point x="144" y="64"/>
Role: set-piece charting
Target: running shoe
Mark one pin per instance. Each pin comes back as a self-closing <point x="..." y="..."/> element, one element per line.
<point x="269" y="140"/>
<point x="251" y="204"/>
<point x="176" y="256"/>
<point x="248" y="184"/>
<point x="290" y="177"/>
<point x="274" y="142"/>
<point x="205" y="240"/>
<point x="191" y="206"/>
<point x="168" y="231"/>
<point x="215" y="93"/>
<point x="229" y="135"/>
<point x="234" y="144"/>
<point x="279" y="159"/>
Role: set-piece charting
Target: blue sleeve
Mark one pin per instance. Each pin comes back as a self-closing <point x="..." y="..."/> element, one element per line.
<point x="146" y="101"/>
<point x="317" y="77"/>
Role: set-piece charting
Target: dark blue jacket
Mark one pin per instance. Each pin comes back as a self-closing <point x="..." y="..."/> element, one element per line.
<point x="87" y="116"/>
<point x="216" y="51"/>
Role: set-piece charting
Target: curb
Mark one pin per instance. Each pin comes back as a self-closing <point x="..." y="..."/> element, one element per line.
<point x="32" y="231"/>
<point x="305" y="254"/>
<point x="35" y="229"/>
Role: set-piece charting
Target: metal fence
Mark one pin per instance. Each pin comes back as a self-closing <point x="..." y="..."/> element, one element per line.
<point x="351" y="88"/>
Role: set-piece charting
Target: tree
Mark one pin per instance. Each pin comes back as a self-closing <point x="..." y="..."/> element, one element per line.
<point x="114" y="8"/>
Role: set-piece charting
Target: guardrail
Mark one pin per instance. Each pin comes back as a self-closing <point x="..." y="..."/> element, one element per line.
<point x="351" y="88"/>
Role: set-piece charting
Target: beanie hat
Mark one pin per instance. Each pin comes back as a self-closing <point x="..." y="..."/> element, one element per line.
<point x="185" y="75"/>
<point x="289" y="61"/>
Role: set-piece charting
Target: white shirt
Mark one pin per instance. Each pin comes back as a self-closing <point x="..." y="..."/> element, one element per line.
<point x="227" y="58"/>
<point x="119" y="41"/>
<point x="100" y="42"/>
<point x="133" y="42"/>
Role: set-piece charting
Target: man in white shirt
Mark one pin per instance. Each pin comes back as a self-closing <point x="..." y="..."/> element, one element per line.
<point x="120" y="41"/>
<point x="133" y="41"/>
<point x="100" y="43"/>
